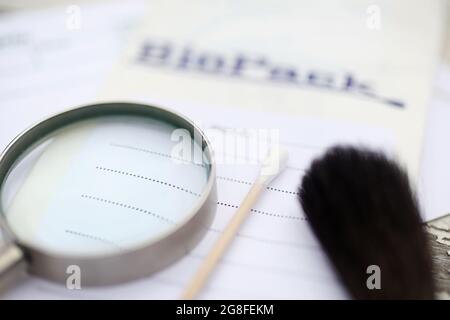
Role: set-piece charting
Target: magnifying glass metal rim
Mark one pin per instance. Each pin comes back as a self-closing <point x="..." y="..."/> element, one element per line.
<point x="116" y="267"/>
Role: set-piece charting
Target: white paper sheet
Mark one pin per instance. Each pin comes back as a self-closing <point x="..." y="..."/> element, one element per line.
<point x="434" y="184"/>
<point x="46" y="67"/>
<point x="275" y="244"/>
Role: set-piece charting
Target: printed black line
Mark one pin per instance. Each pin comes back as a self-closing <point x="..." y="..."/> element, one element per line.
<point x="249" y="183"/>
<point x="227" y="205"/>
<point x="282" y="191"/>
<point x="225" y="262"/>
<point x="269" y="241"/>
<point x="127" y="206"/>
<point x="130" y="174"/>
<point x="166" y="155"/>
<point x="161" y="154"/>
<point x="276" y="215"/>
<point x="271" y="269"/>
<point x="253" y="161"/>
<point x="264" y="139"/>
<point x="234" y="180"/>
<point x="89" y="236"/>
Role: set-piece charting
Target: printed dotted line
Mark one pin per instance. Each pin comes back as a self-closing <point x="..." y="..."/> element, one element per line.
<point x="227" y="205"/>
<point x="282" y="190"/>
<point x="262" y="212"/>
<point x="85" y="235"/>
<point x="127" y="206"/>
<point x="234" y="180"/>
<point x="166" y="155"/>
<point x="256" y="161"/>
<point x="148" y="179"/>
<point x="277" y="215"/>
<point x="249" y="183"/>
<point x="270" y="241"/>
<point x="161" y="154"/>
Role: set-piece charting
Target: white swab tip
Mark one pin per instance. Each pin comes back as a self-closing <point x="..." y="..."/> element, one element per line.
<point x="273" y="164"/>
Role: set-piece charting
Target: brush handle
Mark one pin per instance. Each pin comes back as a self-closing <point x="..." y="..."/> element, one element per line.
<point x="223" y="242"/>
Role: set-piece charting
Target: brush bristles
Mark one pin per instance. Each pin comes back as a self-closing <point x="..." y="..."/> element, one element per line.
<point x="361" y="207"/>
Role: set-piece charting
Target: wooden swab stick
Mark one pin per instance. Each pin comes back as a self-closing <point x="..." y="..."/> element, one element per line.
<point x="274" y="163"/>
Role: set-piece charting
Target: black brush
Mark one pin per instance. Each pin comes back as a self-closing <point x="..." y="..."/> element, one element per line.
<point x="361" y="207"/>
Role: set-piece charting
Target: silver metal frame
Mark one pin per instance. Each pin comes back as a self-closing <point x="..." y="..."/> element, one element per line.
<point x="115" y="268"/>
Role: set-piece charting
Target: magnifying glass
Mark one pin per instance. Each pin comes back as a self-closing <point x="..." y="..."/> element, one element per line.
<point x="115" y="190"/>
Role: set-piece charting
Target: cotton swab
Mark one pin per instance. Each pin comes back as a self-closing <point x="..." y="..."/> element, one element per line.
<point x="274" y="163"/>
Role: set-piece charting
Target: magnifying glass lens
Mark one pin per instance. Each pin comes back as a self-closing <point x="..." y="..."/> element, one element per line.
<point x="102" y="186"/>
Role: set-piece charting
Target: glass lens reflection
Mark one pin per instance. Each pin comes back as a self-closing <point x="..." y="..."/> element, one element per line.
<point x="102" y="186"/>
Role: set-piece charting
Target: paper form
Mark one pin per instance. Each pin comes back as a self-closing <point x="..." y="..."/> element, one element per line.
<point x="352" y="60"/>
<point x="434" y="185"/>
<point x="46" y="67"/>
<point x="275" y="254"/>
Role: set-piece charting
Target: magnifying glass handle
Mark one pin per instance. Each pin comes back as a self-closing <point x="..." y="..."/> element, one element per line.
<point x="12" y="264"/>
